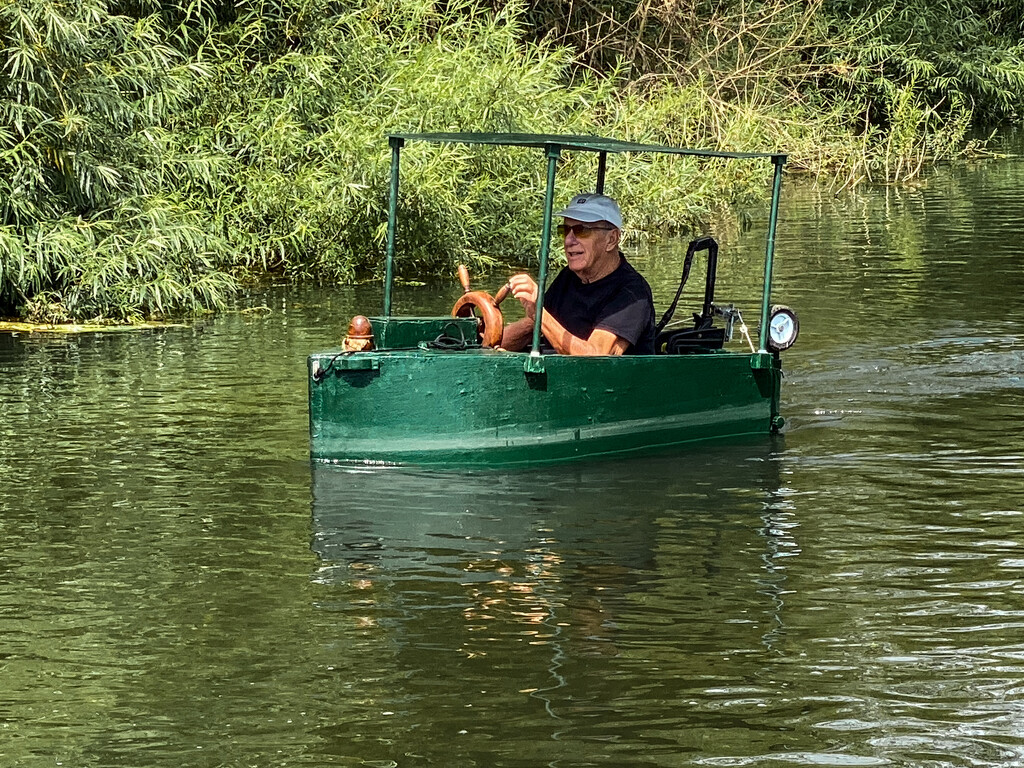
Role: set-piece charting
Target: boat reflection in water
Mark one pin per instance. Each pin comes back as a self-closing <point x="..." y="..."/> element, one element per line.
<point x="468" y="559"/>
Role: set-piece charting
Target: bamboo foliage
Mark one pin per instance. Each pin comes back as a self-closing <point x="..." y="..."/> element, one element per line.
<point x="155" y="152"/>
<point x="302" y="139"/>
<point x="879" y="86"/>
<point x="84" y="228"/>
<point x="922" y="75"/>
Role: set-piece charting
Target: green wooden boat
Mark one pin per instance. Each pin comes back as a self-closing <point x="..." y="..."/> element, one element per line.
<point x="401" y="391"/>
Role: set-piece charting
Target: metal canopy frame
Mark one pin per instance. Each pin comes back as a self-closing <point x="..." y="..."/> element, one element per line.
<point x="553" y="145"/>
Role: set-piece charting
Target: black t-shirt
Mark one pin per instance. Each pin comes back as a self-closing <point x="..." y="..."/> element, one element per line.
<point x="620" y="302"/>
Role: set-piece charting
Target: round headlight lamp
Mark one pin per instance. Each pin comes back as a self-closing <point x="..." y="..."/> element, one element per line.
<point x="783" y="328"/>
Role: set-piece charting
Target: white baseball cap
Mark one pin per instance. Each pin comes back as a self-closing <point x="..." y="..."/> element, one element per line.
<point x="592" y="206"/>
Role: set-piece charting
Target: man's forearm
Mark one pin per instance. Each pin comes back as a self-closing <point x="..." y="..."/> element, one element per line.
<point x="565" y="343"/>
<point x="517" y="335"/>
<point x="559" y="338"/>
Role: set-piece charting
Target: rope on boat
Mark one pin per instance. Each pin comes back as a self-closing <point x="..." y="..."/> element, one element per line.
<point x="448" y="342"/>
<point x="746" y="335"/>
<point x="322" y="372"/>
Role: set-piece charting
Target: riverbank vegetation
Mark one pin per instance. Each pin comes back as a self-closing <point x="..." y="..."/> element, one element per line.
<point x="156" y="153"/>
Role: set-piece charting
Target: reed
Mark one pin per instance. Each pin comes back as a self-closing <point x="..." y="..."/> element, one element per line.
<point x="87" y="229"/>
<point x="157" y="153"/>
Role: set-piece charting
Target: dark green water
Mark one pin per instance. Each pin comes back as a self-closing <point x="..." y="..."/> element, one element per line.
<point x="179" y="588"/>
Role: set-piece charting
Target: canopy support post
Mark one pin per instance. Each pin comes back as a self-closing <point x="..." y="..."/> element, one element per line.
<point x="396" y="142"/>
<point x="778" y="161"/>
<point x="602" y="166"/>
<point x="553" y="152"/>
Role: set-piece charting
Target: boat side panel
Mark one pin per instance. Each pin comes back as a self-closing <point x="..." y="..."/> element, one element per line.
<point x="482" y="408"/>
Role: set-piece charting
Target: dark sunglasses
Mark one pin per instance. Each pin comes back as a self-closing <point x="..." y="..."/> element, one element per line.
<point x="580" y="230"/>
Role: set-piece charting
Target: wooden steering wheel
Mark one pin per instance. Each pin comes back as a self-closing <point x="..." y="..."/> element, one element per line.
<point x="484" y="308"/>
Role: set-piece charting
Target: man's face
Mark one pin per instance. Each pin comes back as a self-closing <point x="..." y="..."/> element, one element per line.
<point x="589" y="253"/>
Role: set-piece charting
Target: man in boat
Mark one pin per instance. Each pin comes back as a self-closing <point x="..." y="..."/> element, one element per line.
<point x="598" y="304"/>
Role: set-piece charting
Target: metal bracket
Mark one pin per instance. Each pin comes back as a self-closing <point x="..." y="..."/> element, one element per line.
<point x="534" y="364"/>
<point x="357" y="364"/>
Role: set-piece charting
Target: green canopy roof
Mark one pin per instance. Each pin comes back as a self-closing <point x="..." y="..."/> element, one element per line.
<point x="565" y="141"/>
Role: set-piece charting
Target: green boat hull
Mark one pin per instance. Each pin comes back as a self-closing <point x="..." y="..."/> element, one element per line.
<point x="405" y="404"/>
